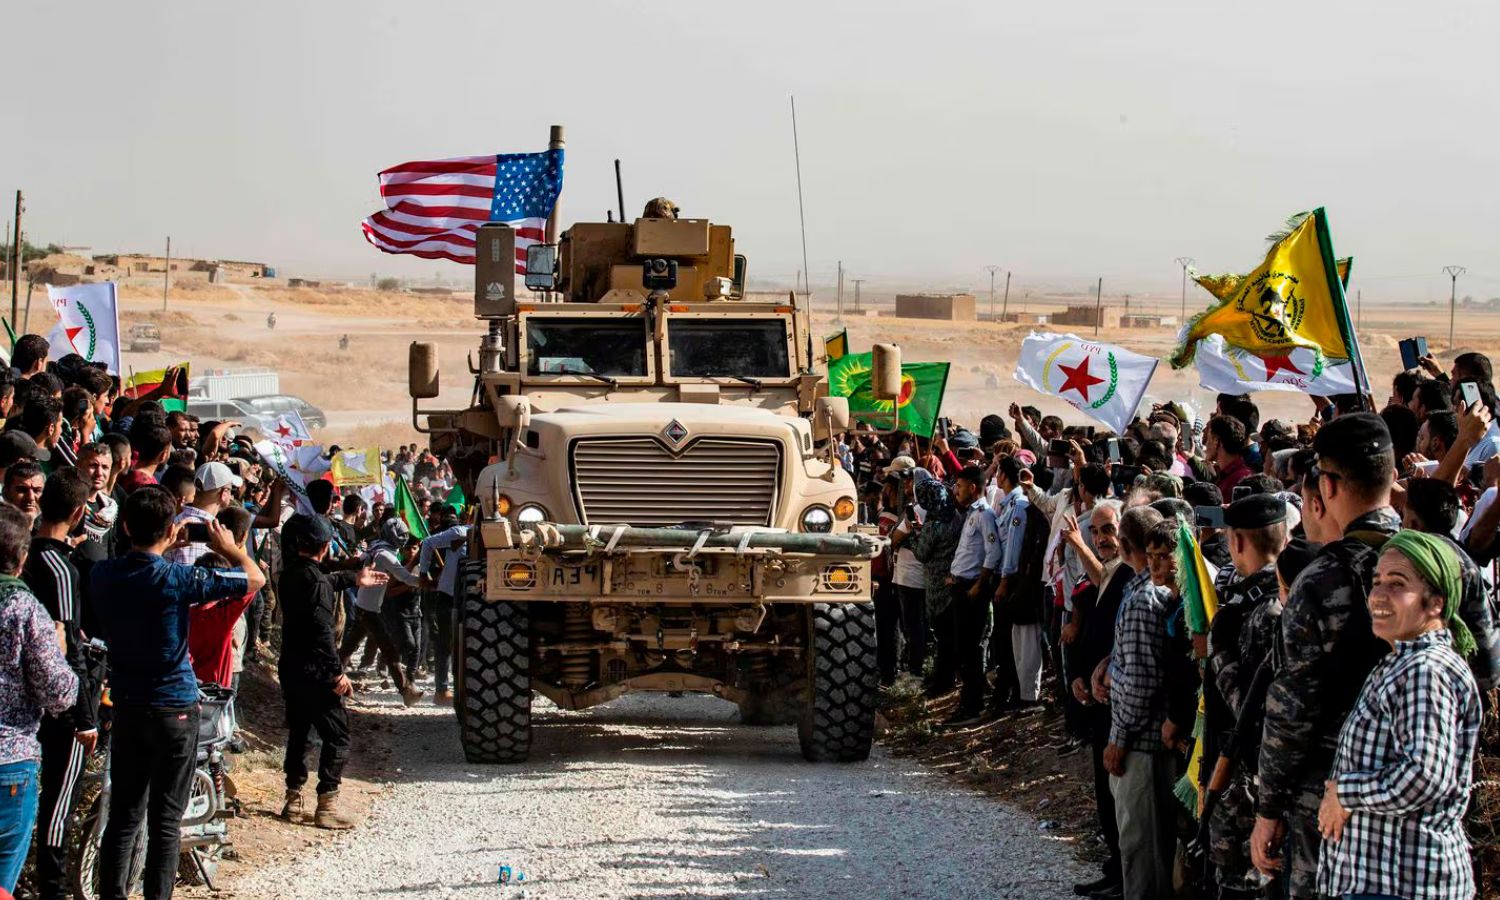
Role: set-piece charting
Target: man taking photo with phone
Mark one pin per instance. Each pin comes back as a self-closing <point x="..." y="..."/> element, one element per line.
<point x="142" y="600"/>
<point x="216" y="486"/>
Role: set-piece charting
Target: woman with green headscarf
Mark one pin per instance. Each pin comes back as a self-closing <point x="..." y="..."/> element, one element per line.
<point x="1392" y="813"/>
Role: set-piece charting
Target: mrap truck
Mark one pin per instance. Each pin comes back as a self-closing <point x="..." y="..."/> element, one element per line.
<point x="659" y="506"/>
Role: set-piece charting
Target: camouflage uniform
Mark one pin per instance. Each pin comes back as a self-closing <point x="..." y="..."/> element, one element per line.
<point x="1240" y="641"/>
<point x="1326" y="650"/>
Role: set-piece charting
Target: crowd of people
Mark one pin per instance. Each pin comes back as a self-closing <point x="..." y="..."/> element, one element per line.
<point x="1307" y="728"/>
<point x="144" y="557"/>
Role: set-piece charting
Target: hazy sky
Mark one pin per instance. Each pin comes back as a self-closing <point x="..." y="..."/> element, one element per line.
<point x="1059" y="140"/>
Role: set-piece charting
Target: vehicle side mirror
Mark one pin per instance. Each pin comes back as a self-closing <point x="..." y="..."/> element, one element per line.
<point x="885" y="374"/>
<point x="741" y="270"/>
<point x="830" y="416"/>
<point x="422" y="370"/>
<point x="541" y="267"/>
<point x="515" y="412"/>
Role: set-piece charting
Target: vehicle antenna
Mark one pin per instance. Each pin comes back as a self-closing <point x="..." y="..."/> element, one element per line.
<point x="620" y="190"/>
<point x="802" y="219"/>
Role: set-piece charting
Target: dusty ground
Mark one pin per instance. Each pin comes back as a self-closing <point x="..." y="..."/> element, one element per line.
<point x="653" y="796"/>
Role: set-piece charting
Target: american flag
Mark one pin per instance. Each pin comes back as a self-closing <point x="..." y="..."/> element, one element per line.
<point x="433" y="208"/>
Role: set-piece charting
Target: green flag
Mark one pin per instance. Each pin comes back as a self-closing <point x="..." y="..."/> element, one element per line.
<point x="457" y="500"/>
<point x="406" y="508"/>
<point x="920" y="403"/>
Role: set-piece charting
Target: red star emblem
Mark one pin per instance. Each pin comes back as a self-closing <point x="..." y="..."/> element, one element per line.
<point x="1079" y="379"/>
<point x="283" y="430"/>
<point x="73" y="333"/>
<point x="1275" y="364"/>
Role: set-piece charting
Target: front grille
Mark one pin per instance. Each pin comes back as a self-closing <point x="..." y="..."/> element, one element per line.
<point x="637" y="481"/>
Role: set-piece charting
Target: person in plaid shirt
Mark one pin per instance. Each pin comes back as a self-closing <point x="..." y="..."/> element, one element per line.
<point x="1142" y="771"/>
<point x="1392" y="811"/>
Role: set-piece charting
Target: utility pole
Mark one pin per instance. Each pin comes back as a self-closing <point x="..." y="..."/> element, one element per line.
<point x="1098" y="304"/>
<point x="839" y="303"/>
<point x="166" y="275"/>
<point x="857" y="283"/>
<point x="992" y="270"/>
<point x="16" y="255"/>
<point x="1452" y="271"/>
<point x="1005" y="303"/>
<point x="1184" y="261"/>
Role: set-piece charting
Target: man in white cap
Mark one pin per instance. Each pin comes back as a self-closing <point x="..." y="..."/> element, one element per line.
<point x="216" y="487"/>
<point x="901" y="465"/>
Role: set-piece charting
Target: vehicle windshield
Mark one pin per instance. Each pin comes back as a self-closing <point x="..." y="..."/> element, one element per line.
<point x="728" y="348"/>
<point x="613" y="347"/>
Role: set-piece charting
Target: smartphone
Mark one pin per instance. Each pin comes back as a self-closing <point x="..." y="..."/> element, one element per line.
<point x="1126" y="475"/>
<point x="1471" y="394"/>
<point x="197" y="532"/>
<point x="1114" y="450"/>
<point x="1088" y="432"/>
<point x="1412" y="351"/>
<point x="1240" y="492"/>
<point x="1209" y="516"/>
<point x="1426" y="466"/>
<point x="1059" y="448"/>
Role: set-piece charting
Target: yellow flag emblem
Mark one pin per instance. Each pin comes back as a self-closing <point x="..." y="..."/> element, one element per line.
<point x="1295" y="298"/>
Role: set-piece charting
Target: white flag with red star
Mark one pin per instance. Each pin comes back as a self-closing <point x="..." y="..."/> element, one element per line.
<point x="288" y="429"/>
<point x="1100" y="380"/>
<point x="88" y="323"/>
<point x="1231" y="370"/>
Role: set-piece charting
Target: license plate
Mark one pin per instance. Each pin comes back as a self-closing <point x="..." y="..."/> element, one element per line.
<point x="557" y="579"/>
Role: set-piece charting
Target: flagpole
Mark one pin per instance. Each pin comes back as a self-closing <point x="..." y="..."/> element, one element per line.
<point x="1341" y="309"/>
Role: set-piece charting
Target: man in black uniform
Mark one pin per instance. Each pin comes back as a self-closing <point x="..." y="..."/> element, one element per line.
<point x="1239" y="644"/>
<point x="69" y="738"/>
<point x="1327" y="648"/>
<point x="313" y="684"/>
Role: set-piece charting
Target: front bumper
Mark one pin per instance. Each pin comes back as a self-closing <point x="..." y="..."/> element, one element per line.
<point x="669" y="575"/>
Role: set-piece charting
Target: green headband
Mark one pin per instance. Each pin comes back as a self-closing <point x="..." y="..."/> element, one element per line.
<point x="1438" y="565"/>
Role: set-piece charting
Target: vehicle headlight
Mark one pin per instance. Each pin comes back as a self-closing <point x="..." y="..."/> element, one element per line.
<point x="817" y="519"/>
<point x="502" y="506"/>
<point x="844" y="508"/>
<point x="531" y="514"/>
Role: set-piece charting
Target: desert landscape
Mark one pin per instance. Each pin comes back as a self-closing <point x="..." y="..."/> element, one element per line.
<point x="363" y="389"/>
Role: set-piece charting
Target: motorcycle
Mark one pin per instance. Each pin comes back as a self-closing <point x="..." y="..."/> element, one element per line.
<point x="205" y="829"/>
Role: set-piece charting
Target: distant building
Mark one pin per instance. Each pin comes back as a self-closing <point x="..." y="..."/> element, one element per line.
<point x="947" y="307"/>
<point x="1142" y="320"/>
<point x="1088" y="316"/>
<point x="1025" y="318"/>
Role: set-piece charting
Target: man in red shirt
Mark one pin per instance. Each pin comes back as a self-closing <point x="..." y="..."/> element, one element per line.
<point x="211" y="625"/>
<point x="1224" y="445"/>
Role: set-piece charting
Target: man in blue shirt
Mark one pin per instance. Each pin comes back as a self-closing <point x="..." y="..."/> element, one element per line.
<point x="973" y="563"/>
<point x="142" y="601"/>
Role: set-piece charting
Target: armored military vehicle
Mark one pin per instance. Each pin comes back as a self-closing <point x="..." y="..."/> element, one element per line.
<point x="661" y="508"/>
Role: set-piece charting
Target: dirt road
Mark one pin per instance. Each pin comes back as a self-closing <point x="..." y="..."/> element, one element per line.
<point x="669" y="797"/>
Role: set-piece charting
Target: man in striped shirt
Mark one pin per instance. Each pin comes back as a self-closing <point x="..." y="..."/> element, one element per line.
<point x="67" y="738"/>
<point x="1142" y="771"/>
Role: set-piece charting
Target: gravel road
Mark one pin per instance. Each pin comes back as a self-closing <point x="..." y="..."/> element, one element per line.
<point x="655" y="796"/>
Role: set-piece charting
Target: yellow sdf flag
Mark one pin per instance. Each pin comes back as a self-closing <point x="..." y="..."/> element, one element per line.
<point x="358" y="468"/>
<point x="1293" y="299"/>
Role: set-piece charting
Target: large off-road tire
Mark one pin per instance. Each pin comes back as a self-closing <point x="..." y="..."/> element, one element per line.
<point x="492" y="672"/>
<point x="838" y="724"/>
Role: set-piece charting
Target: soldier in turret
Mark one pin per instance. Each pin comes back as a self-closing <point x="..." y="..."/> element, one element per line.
<point x="660" y="208"/>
